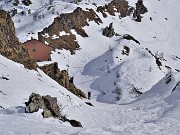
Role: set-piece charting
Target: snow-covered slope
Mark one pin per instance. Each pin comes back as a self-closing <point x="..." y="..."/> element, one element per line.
<point x="100" y="66"/>
<point x="156" y="109"/>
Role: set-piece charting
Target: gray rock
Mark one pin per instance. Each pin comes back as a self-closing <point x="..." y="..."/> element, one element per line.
<point x="51" y="105"/>
<point x="109" y="31"/>
<point x="47" y="103"/>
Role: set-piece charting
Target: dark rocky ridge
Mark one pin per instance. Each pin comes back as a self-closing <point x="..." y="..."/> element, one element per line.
<point x="121" y="7"/>
<point x="80" y="18"/>
<point x="66" y="22"/>
<point x="63" y="78"/>
<point x="10" y="47"/>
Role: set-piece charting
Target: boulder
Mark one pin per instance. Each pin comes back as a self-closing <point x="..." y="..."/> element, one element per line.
<point x="75" y="123"/>
<point x="51" y="105"/>
<point x="35" y="103"/>
<point x="47" y="103"/>
<point x="50" y="108"/>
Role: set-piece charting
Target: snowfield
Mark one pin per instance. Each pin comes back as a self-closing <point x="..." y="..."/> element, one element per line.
<point x="131" y="94"/>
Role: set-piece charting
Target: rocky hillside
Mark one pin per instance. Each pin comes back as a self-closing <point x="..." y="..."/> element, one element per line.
<point x="115" y="43"/>
<point x="125" y="58"/>
<point x="63" y="78"/>
<point x="65" y="23"/>
<point x="10" y="46"/>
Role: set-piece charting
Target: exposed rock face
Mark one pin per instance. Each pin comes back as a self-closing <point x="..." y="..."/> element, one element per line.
<point x="115" y="6"/>
<point x="62" y="77"/>
<point x="47" y="103"/>
<point x="66" y="22"/>
<point x="109" y="31"/>
<point x="140" y="9"/>
<point x="10" y="46"/>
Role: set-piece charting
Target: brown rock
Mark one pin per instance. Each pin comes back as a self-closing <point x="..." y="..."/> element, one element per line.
<point x="10" y="46"/>
<point x="63" y="78"/>
<point x="121" y="7"/>
<point x="66" y="22"/>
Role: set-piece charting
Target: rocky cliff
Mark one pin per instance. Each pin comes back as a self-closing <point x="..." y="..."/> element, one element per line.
<point x="63" y="78"/>
<point x="10" y="46"/>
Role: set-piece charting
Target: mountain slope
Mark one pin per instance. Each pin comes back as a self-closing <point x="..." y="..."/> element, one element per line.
<point x="157" y="108"/>
<point x="134" y="85"/>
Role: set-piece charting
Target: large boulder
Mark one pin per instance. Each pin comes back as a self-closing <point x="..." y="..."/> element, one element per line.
<point x="50" y="104"/>
<point x="35" y="103"/>
<point x="47" y="103"/>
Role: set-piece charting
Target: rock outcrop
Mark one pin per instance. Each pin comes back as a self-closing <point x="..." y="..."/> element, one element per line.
<point x="50" y="108"/>
<point x="63" y="78"/>
<point x="10" y="46"/>
<point x="140" y="9"/>
<point x="47" y="103"/>
<point x="65" y="23"/>
<point x="129" y="37"/>
<point x="115" y="6"/>
<point x="109" y="31"/>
